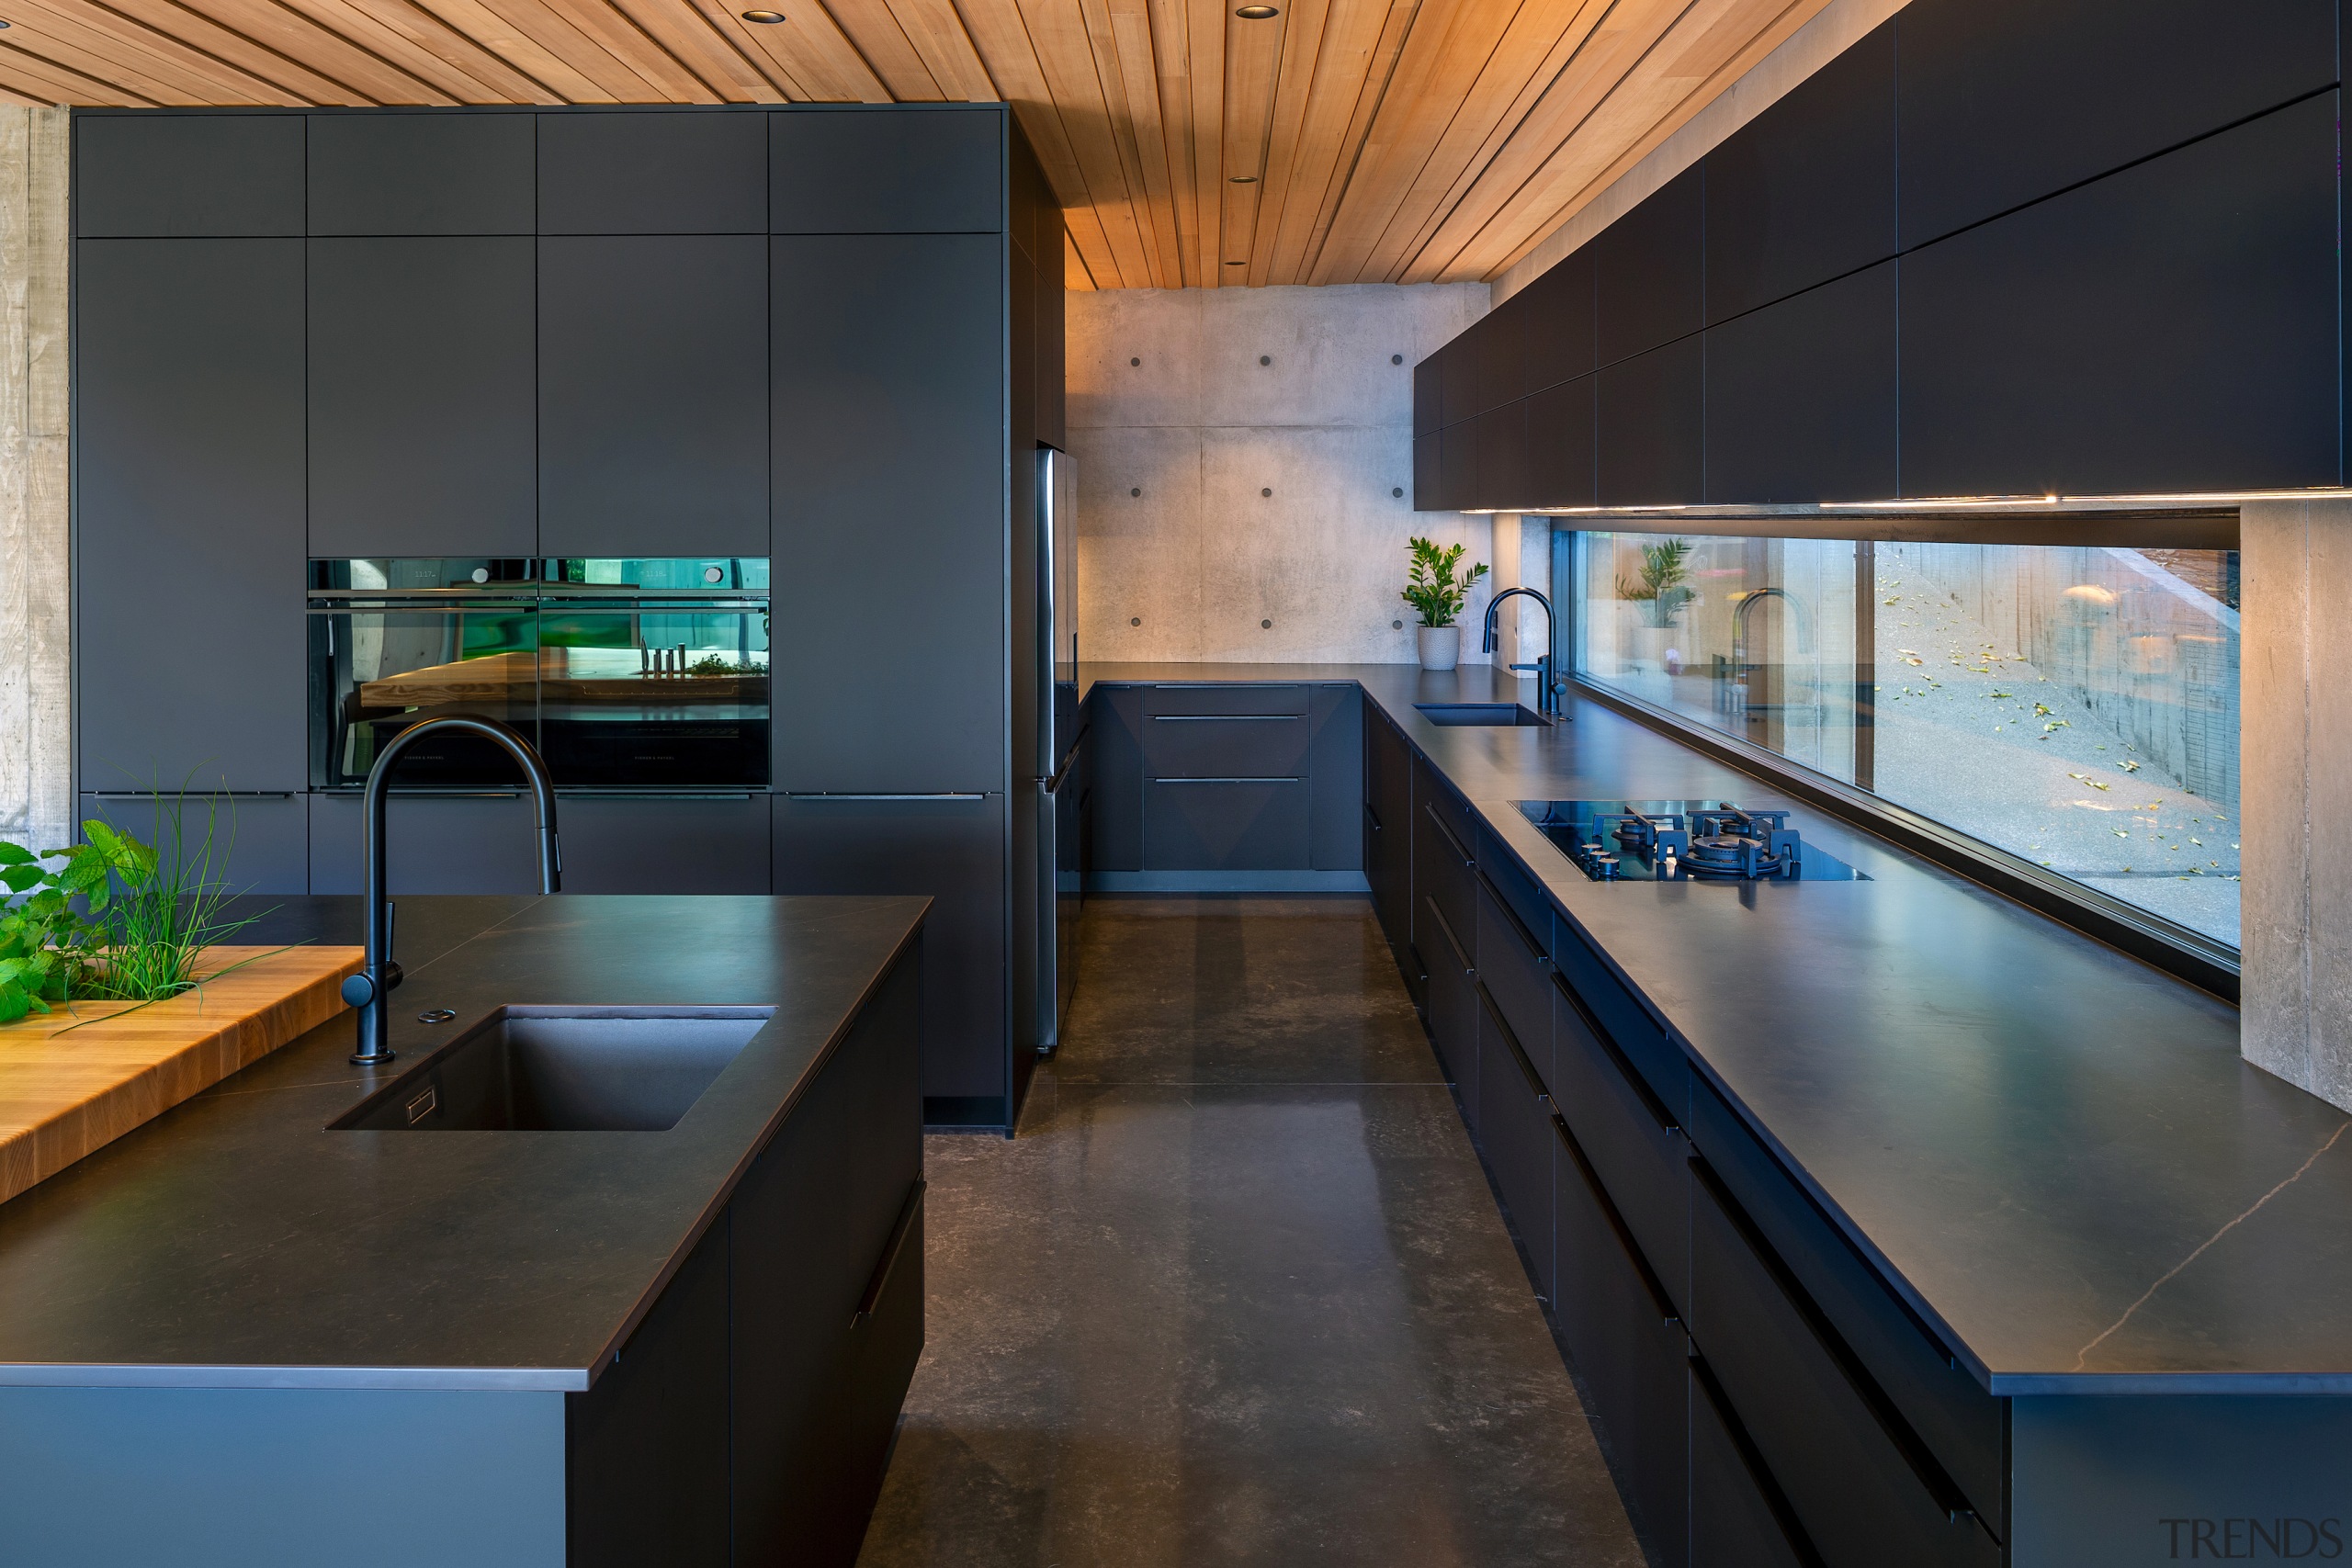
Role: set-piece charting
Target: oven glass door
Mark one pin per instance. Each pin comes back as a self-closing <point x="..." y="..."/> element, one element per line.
<point x="653" y="693"/>
<point x="380" y="666"/>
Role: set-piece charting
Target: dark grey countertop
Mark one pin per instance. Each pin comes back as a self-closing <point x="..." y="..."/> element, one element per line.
<point x="2054" y="1151"/>
<point x="234" y="1241"/>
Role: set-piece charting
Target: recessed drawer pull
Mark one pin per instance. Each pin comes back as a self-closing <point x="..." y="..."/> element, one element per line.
<point x="1267" y="778"/>
<point x="1371" y="817"/>
<point x="1226" y="717"/>
<point x="1518" y="929"/>
<point x="1667" y="1311"/>
<point x="1447" y="834"/>
<point x="1511" y="1041"/>
<point x="1920" y="1460"/>
<point x="1667" y="1121"/>
<point x="880" y="1281"/>
<point x="1751" y="1460"/>
<point x="1460" y="954"/>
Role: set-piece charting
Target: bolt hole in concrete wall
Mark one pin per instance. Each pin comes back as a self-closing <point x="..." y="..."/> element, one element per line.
<point x="1177" y="559"/>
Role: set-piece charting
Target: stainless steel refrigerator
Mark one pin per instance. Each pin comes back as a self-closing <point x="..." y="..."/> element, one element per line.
<point x="1062" y="777"/>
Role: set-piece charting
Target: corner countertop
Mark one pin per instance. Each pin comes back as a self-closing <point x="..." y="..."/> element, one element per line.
<point x="234" y="1243"/>
<point x="2052" y="1150"/>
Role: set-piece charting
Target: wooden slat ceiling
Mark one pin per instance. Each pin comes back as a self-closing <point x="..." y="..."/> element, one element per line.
<point x="1340" y="141"/>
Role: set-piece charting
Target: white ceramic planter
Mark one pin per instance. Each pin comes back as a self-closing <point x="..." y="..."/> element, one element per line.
<point x="1440" y="647"/>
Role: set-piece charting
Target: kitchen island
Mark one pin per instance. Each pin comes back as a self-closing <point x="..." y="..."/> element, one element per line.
<point x="238" y="1337"/>
<point x="1885" y="1221"/>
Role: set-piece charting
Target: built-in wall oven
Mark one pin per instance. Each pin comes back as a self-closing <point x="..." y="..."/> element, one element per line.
<point x="629" y="675"/>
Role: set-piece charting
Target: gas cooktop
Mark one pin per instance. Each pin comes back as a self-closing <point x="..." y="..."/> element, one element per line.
<point x="1682" y="840"/>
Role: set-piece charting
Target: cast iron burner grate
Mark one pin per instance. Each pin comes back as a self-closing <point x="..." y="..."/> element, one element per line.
<point x="1682" y="840"/>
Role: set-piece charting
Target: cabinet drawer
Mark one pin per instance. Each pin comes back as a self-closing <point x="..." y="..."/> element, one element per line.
<point x="1442" y="871"/>
<point x="1629" y="1025"/>
<point x="1959" y="1422"/>
<point x="1739" y="1517"/>
<point x="1633" y="1135"/>
<point x="1519" y="890"/>
<point x="1866" y="1488"/>
<point x="1223" y="699"/>
<point x="1225" y="824"/>
<point x="1453" y="1009"/>
<point x="1512" y="968"/>
<point x="1627" y="1344"/>
<point x="1444" y="805"/>
<point x="1197" y="746"/>
<point x="1516" y="1121"/>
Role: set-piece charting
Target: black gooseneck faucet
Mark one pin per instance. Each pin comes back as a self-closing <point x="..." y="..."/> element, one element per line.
<point x="1548" y="685"/>
<point x="370" y="990"/>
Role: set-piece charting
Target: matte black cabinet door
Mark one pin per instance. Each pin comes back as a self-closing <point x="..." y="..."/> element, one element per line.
<point x="1736" y="1515"/>
<point x="633" y="172"/>
<point x="1502" y="359"/>
<point x="1502" y="457"/>
<point x="1652" y="426"/>
<point x="1806" y="192"/>
<point x="653" y="390"/>
<point x="1650" y="270"/>
<point x="1451" y="1008"/>
<point x="2170" y="327"/>
<point x="262" y="844"/>
<point x="952" y="851"/>
<point x="1461" y="369"/>
<point x="2005" y="101"/>
<point x="889" y="419"/>
<point x="1429" y="482"/>
<point x="423" y="425"/>
<point x="1562" y="341"/>
<point x="1225" y="825"/>
<point x="1801" y="396"/>
<point x="1457" y="463"/>
<point x="1428" y="398"/>
<point x="188" y="477"/>
<point x="1335" y="777"/>
<point x="614" y="845"/>
<point x="1631" y="1352"/>
<point x="230" y="175"/>
<point x="1115" y="802"/>
<point x="423" y="173"/>
<point x="1388" y="843"/>
<point x="1517" y="1131"/>
<point x="1560" y="459"/>
<point x="812" y="1223"/>
<point x="433" y="844"/>
<point x="645" y="1451"/>
<point x="838" y="170"/>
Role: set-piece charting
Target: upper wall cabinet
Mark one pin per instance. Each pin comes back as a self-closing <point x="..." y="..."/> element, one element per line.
<point x="654" y="395"/>
<point x="421" y="174"/>
<point x="188" y="638"/>
<point x="1559" y="445"/>
<point x="1502" y="353"/>
<point x="422" y="430"/>
<point x="889" y="171"/>
<point x="1801" y="396"/>
<point x="1560" y="325"/>
<point x="1650" y="269"/>
<point x="1502" y="457"/>
<point x="638" y="171"/>
<point x="1459" y="364"/>
<point x="228" y="175"/>
<point x="1427" y="412"/>
<point x="1652" y="425"/>
<point x="2169" y="327"/>
<point x="1806" y="192"/>
<point x="2007" y="101"/>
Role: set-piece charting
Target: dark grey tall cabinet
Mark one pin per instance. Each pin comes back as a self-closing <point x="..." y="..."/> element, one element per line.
<point x="827" y="334"/>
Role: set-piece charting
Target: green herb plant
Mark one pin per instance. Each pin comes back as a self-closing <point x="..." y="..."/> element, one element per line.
<point x="112" y="919"/>
<point x="1433" y="589"/>
<point x="1665" y="568"/>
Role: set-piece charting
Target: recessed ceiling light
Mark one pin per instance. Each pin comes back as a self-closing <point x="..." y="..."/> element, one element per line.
<point x="1243" y="180"/>
<point x="5" y="24"/>
<point x="1257" y="12"/>
<point x="1238" y="264"/>
<point x="765" y="18"/>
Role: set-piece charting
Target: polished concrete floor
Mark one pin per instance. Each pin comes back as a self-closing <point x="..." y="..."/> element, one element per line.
<point x="1238" y="1293"/>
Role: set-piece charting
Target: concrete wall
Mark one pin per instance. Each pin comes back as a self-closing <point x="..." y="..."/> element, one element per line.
<point x="1187" y="407"/>
<point x="36" y="780"/>
<point x="2296" y="559"/>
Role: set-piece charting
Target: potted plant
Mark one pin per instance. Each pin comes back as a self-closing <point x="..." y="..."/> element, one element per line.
<point x="1438" y="595"/>
<point x="1658" y="597"/>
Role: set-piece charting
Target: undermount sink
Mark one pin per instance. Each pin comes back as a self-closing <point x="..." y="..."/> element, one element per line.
<point x="552" y="1069"/>
<point x="1500" y="715"/>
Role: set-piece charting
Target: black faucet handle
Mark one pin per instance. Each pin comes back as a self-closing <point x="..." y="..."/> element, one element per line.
<point x="360" y="989"/>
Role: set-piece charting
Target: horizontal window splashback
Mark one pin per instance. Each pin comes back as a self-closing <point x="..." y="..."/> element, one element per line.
<point x="627" y="675"/>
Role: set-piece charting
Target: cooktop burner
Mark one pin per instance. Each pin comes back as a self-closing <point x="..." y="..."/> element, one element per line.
<point x="1682" y="840"/>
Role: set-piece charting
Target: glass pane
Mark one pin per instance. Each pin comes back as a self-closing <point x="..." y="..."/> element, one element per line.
<point x="633" y="698"/>
<point x="378" y="671"/>
<point x="2074" y="705"/>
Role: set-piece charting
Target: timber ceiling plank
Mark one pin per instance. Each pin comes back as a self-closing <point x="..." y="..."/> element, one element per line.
<point x="947" y="51"/>
<point x="874" y="28"/>
<point x="145" y="65"/>
<point x="1449" y="47"/>
<point x="1409" y="141"/>
<point x="428" y="48"/>
<point x="1539" y="31"/>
